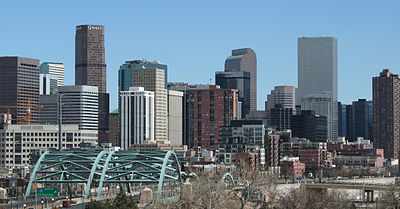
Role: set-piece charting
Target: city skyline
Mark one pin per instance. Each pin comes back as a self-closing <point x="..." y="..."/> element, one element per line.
<point x="276" y="53"/>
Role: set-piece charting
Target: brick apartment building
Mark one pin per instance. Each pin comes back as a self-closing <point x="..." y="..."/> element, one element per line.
<point x="207" y="110"/>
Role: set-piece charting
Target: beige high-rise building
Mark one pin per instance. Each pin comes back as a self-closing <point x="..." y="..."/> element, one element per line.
<point x="175" y="118"/>
<point x="153" y="77"/>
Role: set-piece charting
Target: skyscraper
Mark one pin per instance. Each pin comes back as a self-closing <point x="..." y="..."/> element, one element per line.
<point x="153" y="77"/>
<point x="361" y="123"/>
<point x="207" y="110"/>
<point x="136" y="116"/>
<point x="175" y="117"/>
<point x="239" y="81"/>
<point x="318" y="73"/>
<point x="54" y="68"/>
<point x="284" y="95"/>
<point x="321" y="104"/>
<point x="90" y="65"/>
<point x="245" y="60"/>
<point x="280" y="95"/>
<point x="386" y="113"/>
<point x="306" y="124"/>
<point x="280" y="117"/>
<point x="19" y="82"/>
<point x="48" y="84"/>
<point x="80" y="106"/>
<point x="90" y="69"/>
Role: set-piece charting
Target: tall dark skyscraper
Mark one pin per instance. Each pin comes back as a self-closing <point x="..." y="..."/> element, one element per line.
<point x="90" y="69"/>
<point x="349" y="122"/>
<point x="90" y="65"/>
<point x="239" y="81"/>
<point x="361" y="123"/>
<point x="245" y="60"/>
<point x="386" y="113"/>
<point x="19" y="82"/>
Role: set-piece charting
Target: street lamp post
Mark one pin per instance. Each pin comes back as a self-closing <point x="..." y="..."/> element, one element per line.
<point x="42" y="203"/>
<point x="52" y="203"/>
<point x="141" y="182"/>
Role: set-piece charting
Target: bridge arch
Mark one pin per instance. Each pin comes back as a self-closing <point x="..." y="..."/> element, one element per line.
<point x="224" y="177"/>
<point x="107" y="167"/>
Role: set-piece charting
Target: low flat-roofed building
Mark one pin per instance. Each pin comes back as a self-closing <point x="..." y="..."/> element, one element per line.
<point x="158" y="145"/>
<point x="358" y="161"/>
<point x="18" y="141"/>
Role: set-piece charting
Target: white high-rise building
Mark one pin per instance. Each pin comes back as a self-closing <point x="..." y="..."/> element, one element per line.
<point x="47" y="84"/>
<point x="318" y="74"/>
<point x="54" y="68"/>
<point x="136" y="111"/>
<point x="80" y="106"/>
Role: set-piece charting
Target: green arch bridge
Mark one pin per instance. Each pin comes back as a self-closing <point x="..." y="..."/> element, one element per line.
<point x="98" y="168"/>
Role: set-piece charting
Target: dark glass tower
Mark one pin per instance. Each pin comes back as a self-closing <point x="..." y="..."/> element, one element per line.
<point x="239" y="81"/>
<point x="90" y="69"/>
<point x="361" y="119"/>
<point x="245" y="60"/>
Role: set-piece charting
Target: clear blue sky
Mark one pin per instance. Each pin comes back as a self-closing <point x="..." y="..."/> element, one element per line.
<point x="194" y="37"/>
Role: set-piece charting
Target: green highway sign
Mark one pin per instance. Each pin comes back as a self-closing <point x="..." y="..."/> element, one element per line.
<point x="47" y="192"/>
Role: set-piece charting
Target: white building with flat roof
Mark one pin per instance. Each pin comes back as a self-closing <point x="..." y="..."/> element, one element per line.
<point x="80" y="105"/>
<point x="54" y="68"/>
<point x="17" y="142"/>
<point x="47" y="84"/>
<point x="136" y="123"/>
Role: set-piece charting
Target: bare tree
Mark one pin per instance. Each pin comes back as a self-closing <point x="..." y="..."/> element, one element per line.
<point x="312" y="199"/>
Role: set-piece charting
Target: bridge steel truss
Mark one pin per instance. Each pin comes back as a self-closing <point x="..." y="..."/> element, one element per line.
<point x="97" y="168"/>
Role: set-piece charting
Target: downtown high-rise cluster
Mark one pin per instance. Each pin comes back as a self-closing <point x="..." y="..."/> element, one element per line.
<point x="304" y="126"/>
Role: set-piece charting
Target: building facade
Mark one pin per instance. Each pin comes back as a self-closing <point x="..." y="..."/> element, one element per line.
<point x="239" y="81"/>
<point x="386" y="113"/>
<point x="280" y="117"/>
<point x="245" y="60"/>
<point x="321" y="104"/>
<point x="17" y="142"/>
<point x="114" y="129"/>
<point x="80" y="106"/>
<point x="54" y="68"/>
<point x="91" y="70"/>
<point x="19" y="83"/>
<point x="361" y="123"/>
<point x="318" y="73"/>
<point x="48" y="84"/>
<point x="207" y="110"/>
<point x="49" y="111"/>
<point x="283" y="95"/>
<point x="136" y="123"/>
<point x="306" y="124"/>
<point x="153" y="77"/>
<point x="175" y="117"/>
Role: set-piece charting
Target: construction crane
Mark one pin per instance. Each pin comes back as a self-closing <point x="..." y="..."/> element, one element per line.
<point x="28" y="109"/>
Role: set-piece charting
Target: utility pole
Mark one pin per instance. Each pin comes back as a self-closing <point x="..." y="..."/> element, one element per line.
<point x="59" y="122"/>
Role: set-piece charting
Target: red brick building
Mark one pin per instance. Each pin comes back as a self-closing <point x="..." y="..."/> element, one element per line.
<point x="314" y="159"/>
<point x="292" y="168"/>
<point x="249" y="160"/>
<point x="272" y="150"/>
<point x="354" y="150"/>
<point x="206" y="110"/>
